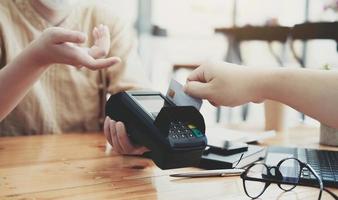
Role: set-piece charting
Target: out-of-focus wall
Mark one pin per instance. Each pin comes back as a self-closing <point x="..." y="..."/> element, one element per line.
<point x="126" y="9"/>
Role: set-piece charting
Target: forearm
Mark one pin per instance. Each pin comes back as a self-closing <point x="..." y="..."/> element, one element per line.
<point x="16" y="79"/>
<point x="312" y="92"/>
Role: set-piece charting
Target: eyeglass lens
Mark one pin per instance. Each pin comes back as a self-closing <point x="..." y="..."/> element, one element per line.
<point x="290" y="170"/>
<point x="255" y="188"/>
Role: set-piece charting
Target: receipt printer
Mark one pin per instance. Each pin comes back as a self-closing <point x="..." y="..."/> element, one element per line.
<point x="174" y="134"/>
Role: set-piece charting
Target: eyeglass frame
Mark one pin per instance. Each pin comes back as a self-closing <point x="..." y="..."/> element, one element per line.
<point x="278" y="179"/>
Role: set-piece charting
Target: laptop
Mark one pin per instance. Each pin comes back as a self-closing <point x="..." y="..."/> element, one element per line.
<point x="325" y="163"/>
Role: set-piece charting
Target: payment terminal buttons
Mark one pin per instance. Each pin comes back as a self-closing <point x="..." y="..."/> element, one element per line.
<point x="181" y="131"/>
<point x="185" y="135"/>
<point x="178" y="130"/>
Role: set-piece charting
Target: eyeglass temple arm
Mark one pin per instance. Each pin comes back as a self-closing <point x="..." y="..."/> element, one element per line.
<point x="318" y="178"/>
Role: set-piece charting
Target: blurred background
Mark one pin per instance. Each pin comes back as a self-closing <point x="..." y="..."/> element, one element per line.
<point x="176" y="36"/>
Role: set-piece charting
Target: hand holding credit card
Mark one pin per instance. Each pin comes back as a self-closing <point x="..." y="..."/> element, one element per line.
<point x="177" y="95"/>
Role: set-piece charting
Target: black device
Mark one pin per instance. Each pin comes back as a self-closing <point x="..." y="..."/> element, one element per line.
<point x="324" y="162"/>
<point x="225" y="147"/>
<point x="217" y="160"/>
<point x="174" y="134"/>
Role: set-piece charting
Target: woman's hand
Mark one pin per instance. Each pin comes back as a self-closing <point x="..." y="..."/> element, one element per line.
<point x="59" y="45"/>
<point x="55" y="45"/>
<point x="101" y="45"/>
<point x="225" y="84"/>
<point x="116" y="135"/>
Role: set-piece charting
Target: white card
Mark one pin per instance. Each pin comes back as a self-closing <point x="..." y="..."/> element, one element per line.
<point x="176" y="94"/>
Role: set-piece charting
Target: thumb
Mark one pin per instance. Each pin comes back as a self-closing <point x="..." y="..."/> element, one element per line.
<point x="197" y="89"/>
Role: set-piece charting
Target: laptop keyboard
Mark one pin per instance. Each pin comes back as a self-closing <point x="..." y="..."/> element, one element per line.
<point x="325" y="163"/>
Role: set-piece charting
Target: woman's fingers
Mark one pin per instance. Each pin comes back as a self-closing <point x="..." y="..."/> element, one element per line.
<point x="61" y="35"/>
<point x="123" y="139"/>
<point x="96" y="52"/>
<point x="95" y="64"/>
<point x="103" y="63"/>
<point x="101" y="42"/>
<point x="116" y="135"/>
<point x="106" y="130"/>
<point x="70" y="53"/>
<point x="116" y="145"/>
<point x="127" y="146"/>
<point x="95" y="33"/>
<point x="140" y="150"/>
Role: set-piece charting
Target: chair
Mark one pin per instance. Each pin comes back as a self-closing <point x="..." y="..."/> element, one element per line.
<point x="312" y="31"/>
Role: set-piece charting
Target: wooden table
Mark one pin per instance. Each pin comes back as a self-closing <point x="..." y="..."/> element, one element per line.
<point x="78" y="166"/>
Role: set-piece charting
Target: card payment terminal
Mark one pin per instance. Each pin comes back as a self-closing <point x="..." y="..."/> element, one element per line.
<point x="174" y="134"/>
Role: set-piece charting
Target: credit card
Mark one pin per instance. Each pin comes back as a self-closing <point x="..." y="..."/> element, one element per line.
<point x="176" y="94"/>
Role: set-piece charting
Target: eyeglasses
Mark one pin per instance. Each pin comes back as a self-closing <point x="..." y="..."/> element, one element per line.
<point x="258" y="176"/>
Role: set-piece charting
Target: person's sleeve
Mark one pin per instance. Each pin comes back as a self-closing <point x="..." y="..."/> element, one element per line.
<point x="130" y="73"/>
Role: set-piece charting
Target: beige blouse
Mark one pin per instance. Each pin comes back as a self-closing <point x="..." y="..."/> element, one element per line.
<point x="65" y="99"/>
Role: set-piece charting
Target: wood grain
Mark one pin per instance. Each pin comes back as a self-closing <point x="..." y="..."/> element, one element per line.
<point x="78" y="166"/>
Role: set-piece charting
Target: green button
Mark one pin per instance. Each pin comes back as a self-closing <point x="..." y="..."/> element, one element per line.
<point x="197" y="132"/>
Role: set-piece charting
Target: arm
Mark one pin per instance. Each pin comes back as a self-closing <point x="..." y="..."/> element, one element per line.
<point x="55" y="45"/>
<point x="16" y="79"/>
<point x="313" y="92"/>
